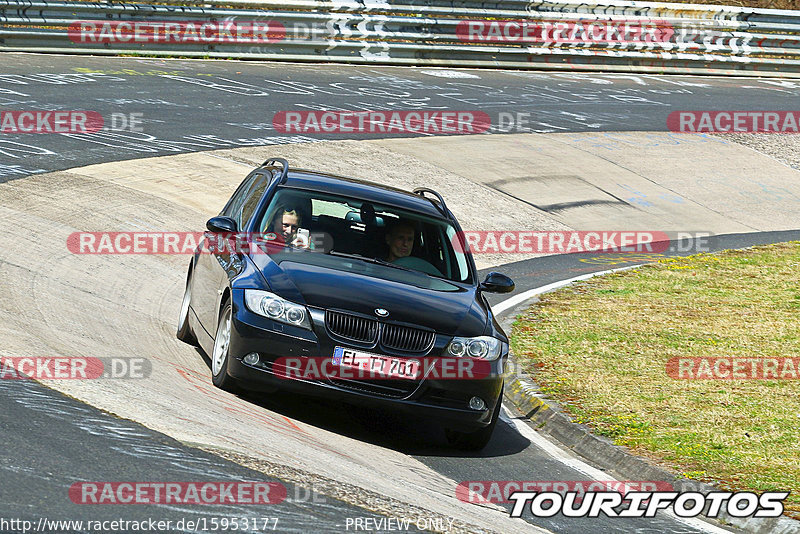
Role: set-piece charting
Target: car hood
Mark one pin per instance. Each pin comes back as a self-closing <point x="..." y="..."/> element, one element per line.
<point x="454" y="312"/>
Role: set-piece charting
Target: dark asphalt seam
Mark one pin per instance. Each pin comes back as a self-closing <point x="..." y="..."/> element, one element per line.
<point x="664" y="187"/>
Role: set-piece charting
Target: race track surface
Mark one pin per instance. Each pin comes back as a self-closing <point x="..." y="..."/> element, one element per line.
<point x="359" y="462"/>
<point x="201" y="105"/>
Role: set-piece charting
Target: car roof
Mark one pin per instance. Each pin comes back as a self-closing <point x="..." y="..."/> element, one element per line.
<point x="362" y="190"/>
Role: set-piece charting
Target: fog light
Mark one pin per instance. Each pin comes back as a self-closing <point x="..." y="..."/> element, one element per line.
<point x="477" y="403"/>
<point x="251" y="359"/>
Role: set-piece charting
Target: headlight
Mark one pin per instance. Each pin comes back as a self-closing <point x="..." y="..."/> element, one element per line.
<point x="274" y="307"/>
<point x="483" y="347"/>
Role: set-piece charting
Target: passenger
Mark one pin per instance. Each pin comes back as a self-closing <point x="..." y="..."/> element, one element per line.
<point x="285" y="225"/>
<point x="400" y="239"/>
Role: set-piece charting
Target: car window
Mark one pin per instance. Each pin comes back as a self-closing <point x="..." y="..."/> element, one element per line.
<point x="250" y="200"/>
<point x="328" y="207"/>
<point x="350" y="229"/>
<point x="459" y="258"/>
<point x="234" y="205"/>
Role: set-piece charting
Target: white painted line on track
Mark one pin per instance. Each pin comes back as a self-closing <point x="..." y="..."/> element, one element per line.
<point x="550" y="448"/>
<point x="573" y="462"/>
<point x="497" y="309"/>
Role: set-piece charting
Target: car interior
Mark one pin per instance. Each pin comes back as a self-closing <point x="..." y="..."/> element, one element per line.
<point x="356" y="227"/>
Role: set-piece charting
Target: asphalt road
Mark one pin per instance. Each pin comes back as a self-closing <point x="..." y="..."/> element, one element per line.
<point x="201" y="105"/>
<point x="154" y="107"/>
<point x="51" y="441"/>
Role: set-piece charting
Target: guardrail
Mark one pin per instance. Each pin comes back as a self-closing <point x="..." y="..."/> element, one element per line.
<point x="614" y="35"/>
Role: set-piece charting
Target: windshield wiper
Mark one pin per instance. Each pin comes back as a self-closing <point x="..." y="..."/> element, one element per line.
<point x="367" y="259"/>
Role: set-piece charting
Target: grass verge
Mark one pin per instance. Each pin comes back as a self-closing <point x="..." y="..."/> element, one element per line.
<point x="601" y="349"/>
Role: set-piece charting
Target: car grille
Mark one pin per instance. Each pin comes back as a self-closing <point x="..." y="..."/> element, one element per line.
<point x="406" y="338"/>
<point x="396" y="389"/>
<point x="351" y="327"/>
<point x="363" y="330"/>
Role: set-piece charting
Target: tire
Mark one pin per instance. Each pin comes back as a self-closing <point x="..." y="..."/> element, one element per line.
<point x="477" y="439"/>
<point x="184" y="332"/>
<point x="220" y="354"/>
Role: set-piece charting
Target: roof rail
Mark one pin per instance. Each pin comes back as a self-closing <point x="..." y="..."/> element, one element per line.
<point x="284" y="163"/>
<point x="441" y="206"/>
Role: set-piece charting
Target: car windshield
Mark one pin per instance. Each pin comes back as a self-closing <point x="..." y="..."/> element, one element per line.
<point x="362" y="236"/>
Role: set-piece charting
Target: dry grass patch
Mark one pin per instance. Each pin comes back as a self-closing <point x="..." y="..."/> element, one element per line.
<point x="600" y="347"/>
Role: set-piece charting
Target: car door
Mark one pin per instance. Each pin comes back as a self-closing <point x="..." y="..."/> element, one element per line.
<point x="230" y="257"/>
<point x="210" y="273"/>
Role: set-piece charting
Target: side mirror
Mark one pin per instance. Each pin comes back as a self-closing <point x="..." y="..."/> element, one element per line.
<point x="222" y="225"/>
<point x="497" y="283"/>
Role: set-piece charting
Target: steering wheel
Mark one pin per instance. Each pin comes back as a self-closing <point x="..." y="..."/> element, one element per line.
<point x="418" y="264"/>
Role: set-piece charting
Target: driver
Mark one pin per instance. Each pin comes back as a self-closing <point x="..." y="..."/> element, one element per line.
<point x="400" y="239"/>
<point x="400" y="236"/>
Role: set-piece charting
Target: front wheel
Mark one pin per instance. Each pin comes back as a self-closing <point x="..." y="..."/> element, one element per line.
<point x="221" y="352"/>
<point x="477" y="439"/>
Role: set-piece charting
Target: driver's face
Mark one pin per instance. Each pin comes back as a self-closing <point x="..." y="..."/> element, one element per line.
<point x="287" y="225"/>
<point x="400" y="242"/>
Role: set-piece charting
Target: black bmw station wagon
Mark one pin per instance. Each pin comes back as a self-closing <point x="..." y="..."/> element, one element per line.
<point x="348" y="290"/>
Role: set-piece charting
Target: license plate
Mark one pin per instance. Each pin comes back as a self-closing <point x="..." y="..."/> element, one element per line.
<point x="376" y="365"/>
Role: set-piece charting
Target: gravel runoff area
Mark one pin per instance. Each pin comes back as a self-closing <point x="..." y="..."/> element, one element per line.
<point x="782" y="147"/>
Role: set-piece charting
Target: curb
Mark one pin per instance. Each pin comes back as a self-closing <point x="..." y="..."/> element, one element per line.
<point x="546" y="416"/>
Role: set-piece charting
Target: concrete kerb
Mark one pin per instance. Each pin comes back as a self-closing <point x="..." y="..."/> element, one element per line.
<point x="548" y="417"/>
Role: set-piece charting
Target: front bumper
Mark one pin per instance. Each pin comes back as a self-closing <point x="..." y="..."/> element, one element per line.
<point x="443" y="400"/>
